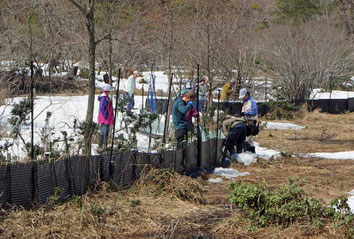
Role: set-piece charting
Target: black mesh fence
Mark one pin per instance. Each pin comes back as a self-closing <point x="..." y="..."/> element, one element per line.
<point x="62" y="179"/>
<point x="351" y="104"/>
<point x="78" y="168"/>
<point x="24" y="184"/>
<point x="46" y="182"/>
<point x="333" y="106"/>
<point x="5" y="185"/>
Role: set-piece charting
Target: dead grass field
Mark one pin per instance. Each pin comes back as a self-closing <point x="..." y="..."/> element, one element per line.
<point x="323" y="133"/>
<point x="177" y="206"/>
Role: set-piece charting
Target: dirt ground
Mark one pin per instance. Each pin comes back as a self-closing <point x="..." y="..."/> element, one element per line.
<point x="137" y="213"/>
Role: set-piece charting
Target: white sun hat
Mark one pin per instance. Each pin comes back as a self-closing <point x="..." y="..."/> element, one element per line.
<point x="108" y="87"/>
<point x="243" y="92"/>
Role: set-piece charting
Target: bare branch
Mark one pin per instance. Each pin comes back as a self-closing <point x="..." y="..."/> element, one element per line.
<point x="83" y="10"/>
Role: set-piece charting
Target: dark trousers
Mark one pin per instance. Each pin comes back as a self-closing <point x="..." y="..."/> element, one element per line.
<point x="131" y="102"/>
<point x="202" y="105"/>
<point x="182" y="138"/>
<point x="237" y="136"/>
<point x="104" y="132"/>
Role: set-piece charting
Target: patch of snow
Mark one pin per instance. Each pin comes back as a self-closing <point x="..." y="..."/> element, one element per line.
<point x="317" y="94"/>
<point x="229" y="173"/>
<point x="351" y="201"/>
<point x="282" y="126"/>
<point x="247" y="158"/>
<point x="215" y="180"/>
<point x="265" y="153"/>
<point x="338" y="155"/>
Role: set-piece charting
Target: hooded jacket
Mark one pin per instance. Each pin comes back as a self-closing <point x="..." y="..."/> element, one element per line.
<point x="179" y="113"/>
<point x="105" y="112"/>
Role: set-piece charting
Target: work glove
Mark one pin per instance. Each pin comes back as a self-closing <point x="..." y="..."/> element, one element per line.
<point x="191" y="103"/>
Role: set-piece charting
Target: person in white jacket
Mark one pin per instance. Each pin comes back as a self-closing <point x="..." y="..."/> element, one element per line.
<point x="130" y="89"/>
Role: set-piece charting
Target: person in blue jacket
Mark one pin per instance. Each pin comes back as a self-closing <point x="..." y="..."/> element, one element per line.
<point x="181" y="106"/>
<point x="249" y="112"/>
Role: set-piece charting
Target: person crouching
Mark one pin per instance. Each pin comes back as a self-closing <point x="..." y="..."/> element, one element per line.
<point x="105" y="115"/>
<point x="181" y="106"/>
<point x="236" y="130"/>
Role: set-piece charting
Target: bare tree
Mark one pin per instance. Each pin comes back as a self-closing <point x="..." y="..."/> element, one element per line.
<point x="87" y="9"/>
<point x="305" y="57"/>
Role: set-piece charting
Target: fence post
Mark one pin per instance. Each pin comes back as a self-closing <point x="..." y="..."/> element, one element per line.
<point x="166" y="117"/>
<point x="199" y="161"/>
<point x="217" y="129"/>
<point x="115" y="119"/>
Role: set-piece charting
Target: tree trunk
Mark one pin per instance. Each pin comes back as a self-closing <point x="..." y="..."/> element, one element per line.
<point x="91" y="98"/>
<point x="167" y="120"/>
<point x="110" y="64"/>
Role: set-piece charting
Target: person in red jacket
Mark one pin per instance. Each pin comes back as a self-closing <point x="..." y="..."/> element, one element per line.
<point x="105" y="114"/>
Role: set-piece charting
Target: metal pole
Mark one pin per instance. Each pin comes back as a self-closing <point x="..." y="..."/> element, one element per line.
<point x="266" y="89"/>
<point x="115" y="115"/>
<point x="32" y="133"/>
<point x="217" y="129"/>
<point x="142" y="97"/>
<point x="166" y="117"/>
<point x="198" y="122"/>
<point x="180" y="85"/>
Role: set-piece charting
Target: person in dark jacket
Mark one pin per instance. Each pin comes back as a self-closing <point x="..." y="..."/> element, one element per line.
<point x="179" y="112"/>
<point x="236" y="130"/>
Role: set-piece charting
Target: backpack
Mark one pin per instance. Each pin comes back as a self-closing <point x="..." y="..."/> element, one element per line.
<point x="252" y="128"/>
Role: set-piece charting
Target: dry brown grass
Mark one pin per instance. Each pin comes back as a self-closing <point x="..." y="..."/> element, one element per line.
<point x="323" y="133"/>
<point x="168" y="183"/>
<point x="167" y="204"/>
<point x="137" y="211"/>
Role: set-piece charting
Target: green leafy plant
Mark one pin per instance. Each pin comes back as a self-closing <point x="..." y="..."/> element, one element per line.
<point x="287" y="205"/>
<point x="282" y="110"/>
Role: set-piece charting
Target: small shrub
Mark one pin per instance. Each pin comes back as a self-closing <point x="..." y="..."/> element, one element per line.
<point x="282" y="110"/>
<point x="287" y="205"/>
<point x="84" y="73"/>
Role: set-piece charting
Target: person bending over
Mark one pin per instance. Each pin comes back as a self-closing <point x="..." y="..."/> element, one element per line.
<point x="181" y="106"/>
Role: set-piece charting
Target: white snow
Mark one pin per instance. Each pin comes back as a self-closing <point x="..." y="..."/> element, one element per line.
<point x="265" y="153"/>
<point x="282" y="126"/>
<point x="64" y="109"/>
<point x="229" y="173"/>
<point x="215" y="180"/>
<point x="338" y="155"/>
<point x="247" y="158"/>
<point x="351" y="201"/>
<point x="317" y="94"/>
